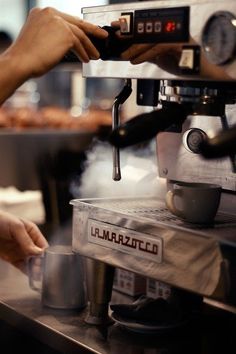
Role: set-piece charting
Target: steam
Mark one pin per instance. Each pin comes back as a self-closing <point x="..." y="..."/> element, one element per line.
<point x="138" y="171"/>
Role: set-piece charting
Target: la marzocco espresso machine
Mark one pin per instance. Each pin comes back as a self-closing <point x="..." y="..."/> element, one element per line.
<point x="193" y="120"/>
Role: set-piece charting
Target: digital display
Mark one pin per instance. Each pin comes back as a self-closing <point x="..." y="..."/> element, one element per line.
<point x="170" y="26"/>
<point x="161" y="25"/>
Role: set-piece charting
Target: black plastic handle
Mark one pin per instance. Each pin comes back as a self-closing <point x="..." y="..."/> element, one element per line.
<point x="109" y="48"/>
<point x="222" y="145"/>
<point x="146" y="126"/>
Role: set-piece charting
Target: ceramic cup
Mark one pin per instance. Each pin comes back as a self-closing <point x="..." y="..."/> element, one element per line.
<point x="59" y="276"/>
<point x="194" y="202"/>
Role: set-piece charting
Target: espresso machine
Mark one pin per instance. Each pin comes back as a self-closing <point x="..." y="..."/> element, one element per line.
<point x="192" y="121"/>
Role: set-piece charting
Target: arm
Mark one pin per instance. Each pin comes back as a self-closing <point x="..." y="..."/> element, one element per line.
<point x="43" y="41"/>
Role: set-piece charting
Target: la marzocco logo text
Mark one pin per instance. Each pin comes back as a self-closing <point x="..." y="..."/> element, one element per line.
<point x="126" y="240"/>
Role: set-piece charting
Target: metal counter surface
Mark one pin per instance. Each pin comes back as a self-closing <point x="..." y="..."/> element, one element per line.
<point x="66" y="331"/>
<point x="62" y="330"/>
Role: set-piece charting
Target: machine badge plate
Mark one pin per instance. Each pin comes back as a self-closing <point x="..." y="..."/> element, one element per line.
<point x="125" y="240"/>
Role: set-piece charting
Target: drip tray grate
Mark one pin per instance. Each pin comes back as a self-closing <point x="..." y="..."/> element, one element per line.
<point x="155" y="210"/>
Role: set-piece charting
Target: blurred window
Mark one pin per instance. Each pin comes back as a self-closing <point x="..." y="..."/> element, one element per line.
<point x="12" y="16"/>
<point x="71" y="6"/>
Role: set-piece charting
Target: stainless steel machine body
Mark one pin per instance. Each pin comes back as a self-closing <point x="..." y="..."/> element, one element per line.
<point x="200" y="12"/>
<point x="139" y="234"/>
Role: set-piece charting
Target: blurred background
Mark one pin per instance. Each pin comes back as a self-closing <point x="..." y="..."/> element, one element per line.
<point x="55" y="128"/>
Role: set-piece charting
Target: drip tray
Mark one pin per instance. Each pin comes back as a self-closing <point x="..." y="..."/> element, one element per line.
<point x="141" y="235"/>
<point x="152" y="211"/>
<point x="155" y="210"/>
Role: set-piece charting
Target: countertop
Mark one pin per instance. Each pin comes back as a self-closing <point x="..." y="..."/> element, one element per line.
<point x="66" y="331"/>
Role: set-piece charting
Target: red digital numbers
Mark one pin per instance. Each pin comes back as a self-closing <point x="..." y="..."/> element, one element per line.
<point x="170" y="26"/>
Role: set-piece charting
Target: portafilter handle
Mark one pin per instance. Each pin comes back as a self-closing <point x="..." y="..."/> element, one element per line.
<point x="222" y="145"/>
<point x="109" y="48"/>
<point x="147" y="125"/>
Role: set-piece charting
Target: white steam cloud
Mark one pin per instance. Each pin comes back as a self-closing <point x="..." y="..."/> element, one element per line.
<point x="138" y="173"/>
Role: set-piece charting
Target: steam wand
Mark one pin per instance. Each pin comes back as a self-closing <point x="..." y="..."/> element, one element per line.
<point x="120" y="99"/>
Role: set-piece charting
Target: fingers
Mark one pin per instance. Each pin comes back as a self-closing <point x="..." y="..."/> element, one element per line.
<point x="29" y="238"/>
<point x="83" y="46"/>
<point x="80" y="51"/>
<point x="148" y="55"/>
<point x="93" y="30"/>
<point x="35" y="234"/>
<point x="73" y="34"/>
<point x="135" y="51"/>
<point x="140" y="53"/>
<point x="121" y="36"/>
<point x="115" y="24"/>
<point x="80" y="29"/>
<point x="87" y="27"/>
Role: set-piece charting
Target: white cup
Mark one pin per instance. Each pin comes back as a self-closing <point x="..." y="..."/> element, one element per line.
<point x="60" y="278"/>
<point x="194" y="202"/>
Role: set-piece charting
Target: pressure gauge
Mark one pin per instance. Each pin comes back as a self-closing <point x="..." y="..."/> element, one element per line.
<point x="219" y="38"/>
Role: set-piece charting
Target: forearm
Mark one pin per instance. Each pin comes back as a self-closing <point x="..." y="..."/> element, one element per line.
<point x="12" y="75"/>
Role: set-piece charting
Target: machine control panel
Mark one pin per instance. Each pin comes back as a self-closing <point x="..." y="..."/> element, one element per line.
<point x="157" y="25"/>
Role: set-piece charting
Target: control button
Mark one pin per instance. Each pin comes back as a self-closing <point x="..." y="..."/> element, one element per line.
<point x="187" y="59"/>
<point x="192" y="139"/>
<point x="178" y="26"/>
<point x="140" y="27"/>
<point x="126" y="23"/>
<point x="149" y="27"/>
<point x="189" y="63"/>
<point x="157" y="26"/>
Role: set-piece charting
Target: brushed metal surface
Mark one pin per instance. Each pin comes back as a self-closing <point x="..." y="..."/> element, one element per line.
<point x="195" y="257"/>
<point x="104" y="15"/>
<point x="66" y="331"/>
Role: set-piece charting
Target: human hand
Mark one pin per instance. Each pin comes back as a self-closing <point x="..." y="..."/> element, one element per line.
<point x="165" y="55"/>
<point x="19" y="238"/>
<point x="47" y="36"/>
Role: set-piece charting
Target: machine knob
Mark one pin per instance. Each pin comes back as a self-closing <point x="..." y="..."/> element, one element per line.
<point x="193" y="138"/>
